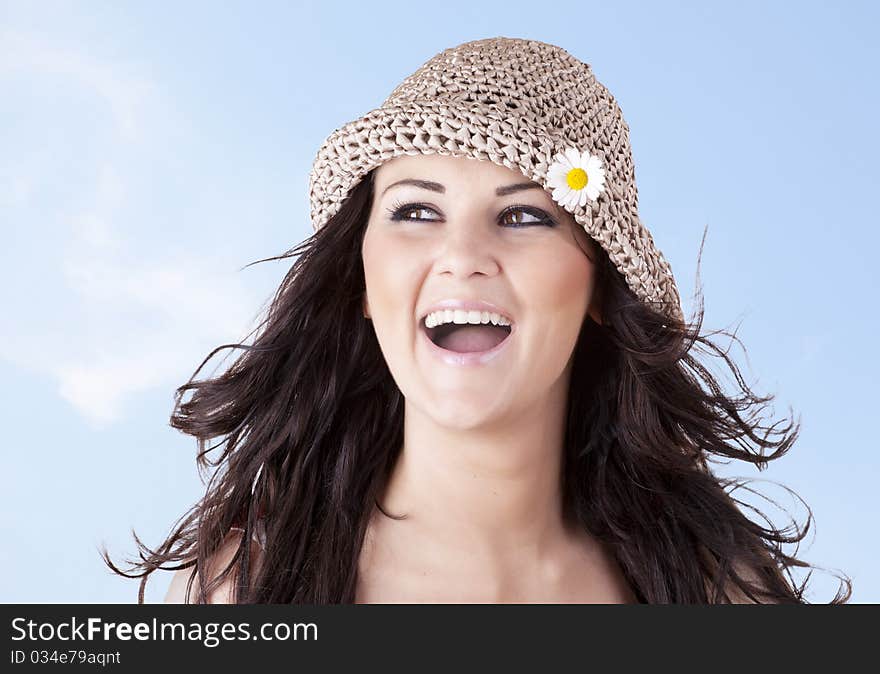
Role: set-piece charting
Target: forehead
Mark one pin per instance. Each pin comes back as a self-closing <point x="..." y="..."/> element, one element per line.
<point x="451" y="169"/>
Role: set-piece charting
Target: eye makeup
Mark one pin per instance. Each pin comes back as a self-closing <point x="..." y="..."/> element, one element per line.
<point x="398" y="213"/>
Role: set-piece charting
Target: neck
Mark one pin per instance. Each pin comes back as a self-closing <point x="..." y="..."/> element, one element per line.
<point x="491" y="493"/>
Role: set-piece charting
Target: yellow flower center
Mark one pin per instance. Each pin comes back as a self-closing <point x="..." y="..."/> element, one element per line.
<point x="576" y="179"/>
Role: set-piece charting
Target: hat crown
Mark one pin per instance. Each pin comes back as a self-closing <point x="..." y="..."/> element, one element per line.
<point x="506" y="77"/>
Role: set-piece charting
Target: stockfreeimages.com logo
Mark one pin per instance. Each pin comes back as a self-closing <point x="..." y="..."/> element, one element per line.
<point x="209" y="634"/>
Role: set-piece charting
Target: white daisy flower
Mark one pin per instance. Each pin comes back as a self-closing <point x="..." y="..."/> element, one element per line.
<point x="575" y="177"/>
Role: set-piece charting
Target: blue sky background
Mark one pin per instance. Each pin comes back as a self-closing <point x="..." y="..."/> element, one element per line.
<point x="151" y="150"/>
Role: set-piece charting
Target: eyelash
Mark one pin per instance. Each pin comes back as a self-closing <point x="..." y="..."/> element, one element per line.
<point x="398" y="208"/>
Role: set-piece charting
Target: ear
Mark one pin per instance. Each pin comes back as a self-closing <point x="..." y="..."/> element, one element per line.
<point x="366" y="306"/>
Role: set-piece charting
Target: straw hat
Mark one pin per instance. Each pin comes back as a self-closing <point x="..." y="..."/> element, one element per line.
<point x="528" y="106"/>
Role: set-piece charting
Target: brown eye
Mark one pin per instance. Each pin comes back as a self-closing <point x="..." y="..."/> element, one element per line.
<point x="516" y="217"/>
<point x="400" y="212"/>
<point x="408" y="213"/>
<point x="522" y="217"/>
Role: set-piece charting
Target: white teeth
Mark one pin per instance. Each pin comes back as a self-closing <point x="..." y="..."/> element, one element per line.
<point x="461" y="317"/>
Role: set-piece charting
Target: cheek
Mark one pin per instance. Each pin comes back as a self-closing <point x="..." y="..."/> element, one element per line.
<point x="391" y="279"/>
<point x="559" y="286"/>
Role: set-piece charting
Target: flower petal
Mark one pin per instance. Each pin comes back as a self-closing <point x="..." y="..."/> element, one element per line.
<point x="560" y="193"/>
<point x="574" y="157"/>
<point x="560" y="158"/>
<point x="556" y="174"/>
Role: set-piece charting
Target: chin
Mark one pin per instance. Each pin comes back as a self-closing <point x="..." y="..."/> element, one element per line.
<point x="464" y="412"/>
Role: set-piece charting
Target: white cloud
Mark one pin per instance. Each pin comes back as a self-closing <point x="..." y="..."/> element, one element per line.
<point x="146" y="323"/>
<point x="15" y="189"/>
<point x="94" y="228"/>
<point x="102" y="315"/>
<point x="147" y="317"/>
<point x="126" y="94"/>
<point x="135" y="321"/>
<point x="98" y="390"/>
<point x="179" y="310"/>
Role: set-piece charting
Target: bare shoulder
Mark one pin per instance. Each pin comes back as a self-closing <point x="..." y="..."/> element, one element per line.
<point x="744" y="571"/>
<point x="223" y="593"/>
<point x="737" y="596"/>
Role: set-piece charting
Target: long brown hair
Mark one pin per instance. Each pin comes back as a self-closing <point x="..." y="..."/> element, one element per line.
<point x="308" y="423"/>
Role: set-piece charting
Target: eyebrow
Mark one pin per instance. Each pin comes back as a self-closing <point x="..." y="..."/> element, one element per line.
<point x="437" y="187"/>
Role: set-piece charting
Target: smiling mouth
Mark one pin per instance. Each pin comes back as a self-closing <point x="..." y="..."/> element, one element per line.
<point x="467" y="337"/>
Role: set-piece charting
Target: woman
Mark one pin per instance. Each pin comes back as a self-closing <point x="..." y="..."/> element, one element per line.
<point x="476" y="384"/>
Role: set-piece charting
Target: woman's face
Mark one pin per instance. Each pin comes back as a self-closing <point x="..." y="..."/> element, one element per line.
<point x="460" y="236"/>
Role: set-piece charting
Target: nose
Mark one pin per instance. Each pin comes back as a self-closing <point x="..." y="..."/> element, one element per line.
<point x="467" y="248"/>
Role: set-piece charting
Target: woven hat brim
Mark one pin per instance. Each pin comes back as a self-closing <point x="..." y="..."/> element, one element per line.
<point x="359" y="146"/>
